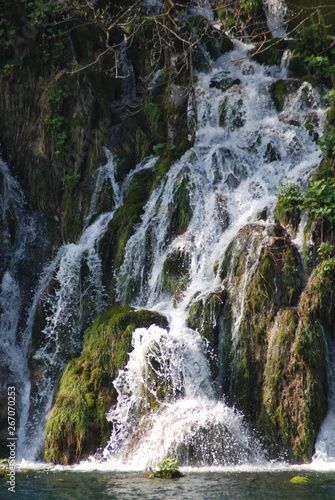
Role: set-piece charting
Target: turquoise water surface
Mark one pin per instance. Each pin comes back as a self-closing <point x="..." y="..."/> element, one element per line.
<point x="71" y="484"/>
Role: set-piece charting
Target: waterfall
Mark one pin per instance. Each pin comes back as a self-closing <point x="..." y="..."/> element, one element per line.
<point x="190" y="422"/>
<point x="244" y="148"/>
<point x="19" y="238"/>
<point x="70" y="285"/>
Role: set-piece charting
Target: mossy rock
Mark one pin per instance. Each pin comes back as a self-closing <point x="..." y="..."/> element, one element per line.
<point x="113" y="243"/>
<point x="317" y="301"/>
<point x="175" y="274"/>
<point x="166" y="469"/>
<point x="137" y="189"/>
<point x="224" y="83"/>
<point x="157" y="388"/>
<point x="275" y="348"/>
<point x="281" y="89"/>
<point x="205" y="315"/>
<point x="299" y="480"/>
<point x="270" y="52"/>
<point x="84" y="393"/>
<point x="233" y="115"/>
<point x="316" y="234"/>
<point x="180" y="208"/>
<point x="294" y="391"/>
<point x="275" y="283"/>
<point x="262" y="266"/>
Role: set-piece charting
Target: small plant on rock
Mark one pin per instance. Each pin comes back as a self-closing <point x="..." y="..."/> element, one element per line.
<point x="289" y="204"/>
<point x="166" y="469"/>
<point x="325" y="250"/>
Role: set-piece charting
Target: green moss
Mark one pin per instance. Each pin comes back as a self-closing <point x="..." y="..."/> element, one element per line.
<point x="317" y="302"/>
<point x="291" y="276"/>
<point x="137" y="191"/>
<point x="113" y="243"/>
<point x="79" y="120"/>
<point x="227" y="18"/>
<point x="280" y="93"/>
<point x="273" y="281"/>
<point x="77" y="423"/>
<point x="225" y="266"/>
<point x="274" y="416"/>
<point x="294" y="391"/>
<point x="162" y="167"/>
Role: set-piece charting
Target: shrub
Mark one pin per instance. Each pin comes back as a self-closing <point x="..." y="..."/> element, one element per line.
<point x="289" y="204"/>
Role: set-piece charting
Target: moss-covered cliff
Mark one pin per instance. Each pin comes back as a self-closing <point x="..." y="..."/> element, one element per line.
<point x="268" y="340"/>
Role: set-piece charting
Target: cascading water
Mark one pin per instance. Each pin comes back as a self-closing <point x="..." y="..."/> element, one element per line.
<point x="170" y="368"/>
<point x="325" y="444"/>
<point x="19" y="238"/>
<point x="71" y="293"/>
<point x="70" y="286"/>
<point x="276" y="11"/>
<point x="244" y="148"/>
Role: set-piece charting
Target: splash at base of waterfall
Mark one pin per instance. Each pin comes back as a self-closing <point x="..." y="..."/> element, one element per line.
<point x="198" y="432"/>
<point x="187" y="422"/>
